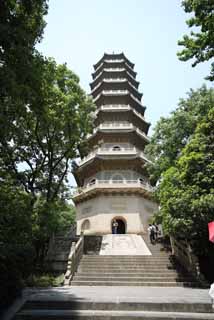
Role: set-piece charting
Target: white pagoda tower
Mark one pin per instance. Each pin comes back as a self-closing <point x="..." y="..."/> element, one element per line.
<point x="112" y="180"/>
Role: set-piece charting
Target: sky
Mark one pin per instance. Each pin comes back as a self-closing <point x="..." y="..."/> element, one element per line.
<point x="79" y="32"/>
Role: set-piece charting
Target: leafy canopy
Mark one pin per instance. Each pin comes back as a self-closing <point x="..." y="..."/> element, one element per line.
<point x="186" y="193"/>
<point x="173" y="133"/>
<point x="199" y="45"/>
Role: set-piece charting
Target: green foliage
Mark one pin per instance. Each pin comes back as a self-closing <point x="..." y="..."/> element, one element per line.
<point x="173" y="133"/>
<point x="44" y="119"/>
<point x="15" y="215"/>
<point x="38" y="149"/>
<point x="199" y="45"/>
<point x="16" y="262"/>
<point x="186" y="192"/>
<point x="44" y="280"/>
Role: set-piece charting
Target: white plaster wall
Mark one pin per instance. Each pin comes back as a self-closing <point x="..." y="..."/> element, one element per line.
<point x="101" y="210"/>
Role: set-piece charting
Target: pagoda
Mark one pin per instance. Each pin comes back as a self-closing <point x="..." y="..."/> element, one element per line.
<point x="112" y="180"/>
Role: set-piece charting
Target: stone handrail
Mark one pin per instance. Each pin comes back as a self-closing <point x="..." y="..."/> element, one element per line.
<point x="116" y="124"/>
<point x="114" y="183"/>
<point x="74" y="258"/>
<point x="115" y="106"/>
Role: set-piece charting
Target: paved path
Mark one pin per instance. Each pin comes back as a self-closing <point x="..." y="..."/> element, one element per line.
<point x="116" y="295"/>
<point x="123" y="244"/>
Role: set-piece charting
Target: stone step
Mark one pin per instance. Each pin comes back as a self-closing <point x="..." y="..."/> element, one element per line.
<point x="141" y="260"/>
<point x="123" y="267"/>
<point x="122" y="306"/>
<point x="132" y="278"/>
<point x="134" y="284"/>
<point x="126" y="274"/>
<point x="115" y="264"/>
<point x="102" y="257"/>
<point x="108" y="315"/>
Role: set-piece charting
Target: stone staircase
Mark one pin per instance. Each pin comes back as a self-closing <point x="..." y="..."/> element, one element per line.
<point x="158" y="269"/>
<point x="122" y="287"/>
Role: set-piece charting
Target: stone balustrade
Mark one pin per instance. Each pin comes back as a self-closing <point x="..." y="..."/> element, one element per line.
<point x="102" y="184"/>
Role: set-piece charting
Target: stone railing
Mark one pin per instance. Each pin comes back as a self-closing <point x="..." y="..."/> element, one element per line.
<point x="74" y="258"/>
<point x="102" y="184"/>
<point x="115" y="107"/>
<point x="116" y="124"/>
<point x="183" y="253"/>
<point x="115" y="92"/>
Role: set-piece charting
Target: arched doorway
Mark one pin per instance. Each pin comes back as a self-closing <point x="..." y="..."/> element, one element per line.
<point x="121" y="228"/>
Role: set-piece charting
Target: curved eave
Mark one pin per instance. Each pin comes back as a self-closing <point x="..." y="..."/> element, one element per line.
<point x="100" y="76"/>
<point x="135" y="130"/>
<point x="120" y="157"/>
<point x="132" y="110"/>
<point x="129" y="95"/>
<point x="112" y="57"/>
<point x="116" y="65"/>
<point x="123" y="85"/>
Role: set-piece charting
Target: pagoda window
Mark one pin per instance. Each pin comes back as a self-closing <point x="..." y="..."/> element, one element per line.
<point x="92" y="181"/>
<point x="117" y="178"/>
<point x="85" y="225"/>
<point x="116" y="148"/>
<point x="142" y="181"/>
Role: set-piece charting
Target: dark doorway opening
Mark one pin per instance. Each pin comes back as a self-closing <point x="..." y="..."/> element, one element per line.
<point x="121" y="228"/>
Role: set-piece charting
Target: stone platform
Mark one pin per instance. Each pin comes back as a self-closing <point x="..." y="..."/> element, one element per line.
<point x="116" y="303"/>
<point x="123" y="244"/>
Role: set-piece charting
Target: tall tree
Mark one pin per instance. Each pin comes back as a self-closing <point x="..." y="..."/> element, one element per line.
<point x="186" y="193"/>
<point x="173" y="133"/>
<point x="21" y="27"/>
<point x="199" y="45"/>
<point x="42" y="143"/>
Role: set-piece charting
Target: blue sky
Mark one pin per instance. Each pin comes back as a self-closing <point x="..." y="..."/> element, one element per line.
<point x="79" y="32"/>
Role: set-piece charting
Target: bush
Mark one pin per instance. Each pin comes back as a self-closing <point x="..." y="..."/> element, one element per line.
<point x="45" y="280"/>
<point x="16" y="263"/>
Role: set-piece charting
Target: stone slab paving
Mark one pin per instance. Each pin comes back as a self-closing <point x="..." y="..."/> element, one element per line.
<point x="116" y="295"/>
<point x="121" y="294"/>
<point x="123" y="244"/>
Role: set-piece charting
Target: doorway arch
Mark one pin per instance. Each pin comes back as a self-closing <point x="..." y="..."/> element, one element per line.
<point x="121" y="228"/>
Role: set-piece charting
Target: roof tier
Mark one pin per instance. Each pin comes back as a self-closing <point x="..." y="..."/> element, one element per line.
<point x="114" y="65"/>
<point x="123" y="114"/>
<point x="96" y="164"/>
<point x="112" y="74"/>
<point x="113" y="56"/>
<point x="117" y="85"/>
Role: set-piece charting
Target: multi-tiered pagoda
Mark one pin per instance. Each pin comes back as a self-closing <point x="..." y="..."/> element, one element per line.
<point x="112" y="180"/>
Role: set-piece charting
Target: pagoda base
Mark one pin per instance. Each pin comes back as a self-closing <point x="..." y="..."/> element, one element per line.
<point x="132" y="212"/>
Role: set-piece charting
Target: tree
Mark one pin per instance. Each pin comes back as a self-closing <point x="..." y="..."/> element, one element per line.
<point x="186" y="193"/>
<point x="173" y="133"/>
<point x="21" y="27"/>
<point x="43" y="142"/>
<point x="200" y="44"/>
<point x="44" y="119"/>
